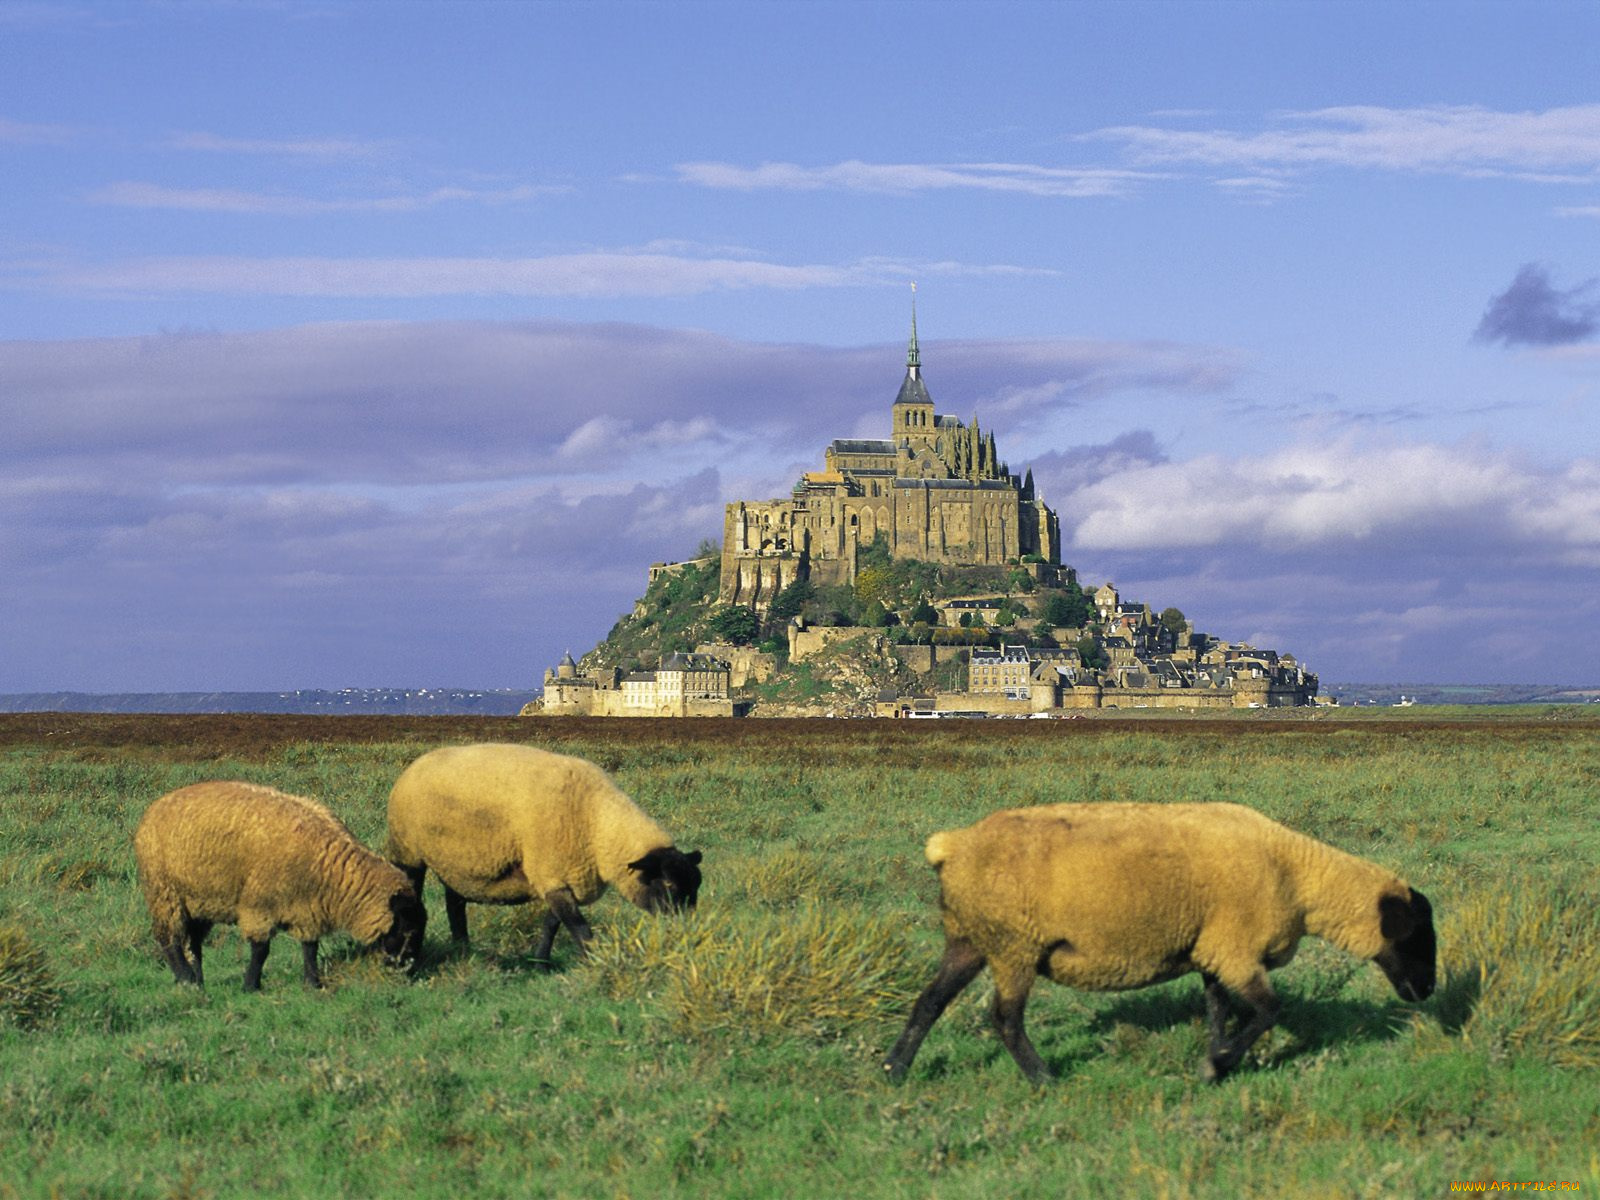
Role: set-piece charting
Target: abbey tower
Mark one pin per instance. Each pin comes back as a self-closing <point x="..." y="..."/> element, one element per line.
<point x="934" y="490"/>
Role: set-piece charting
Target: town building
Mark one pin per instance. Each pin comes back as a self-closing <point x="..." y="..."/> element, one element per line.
<point x="684" y="685"/>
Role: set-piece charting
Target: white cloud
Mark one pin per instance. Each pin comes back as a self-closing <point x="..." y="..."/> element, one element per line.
<point x="24" y="133"/>
<point x="597" y="274"/>
<point x="1421" y="500"/>
<point x="131" y="194"/>
<point x="855" y="176"/>
<point x="300" y="147"/>
<point x="1559" y="145"/>
<point x="1556" y="146"/>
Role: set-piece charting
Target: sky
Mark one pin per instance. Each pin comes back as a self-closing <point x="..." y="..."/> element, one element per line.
<point x="358" y="345"/>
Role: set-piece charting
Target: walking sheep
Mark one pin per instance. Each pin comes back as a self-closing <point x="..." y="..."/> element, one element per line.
<point x="502" y="824"/>
<point x="1108" y="897"/>
<point x="240" y="854"/>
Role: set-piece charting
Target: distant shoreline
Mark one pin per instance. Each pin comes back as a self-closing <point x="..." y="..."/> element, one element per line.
<point x="489" y="702"/>
<point x="501" y="702"/>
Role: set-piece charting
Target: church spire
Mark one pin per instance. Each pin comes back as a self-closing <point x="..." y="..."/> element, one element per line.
<point x="913" y="357"/>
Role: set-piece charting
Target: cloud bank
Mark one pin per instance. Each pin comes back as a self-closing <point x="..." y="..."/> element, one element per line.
<point x="1556" y="146"/>
<point x="394" y="503"/>
<point x="457" y="503"/>
<point x="598" y="274"/>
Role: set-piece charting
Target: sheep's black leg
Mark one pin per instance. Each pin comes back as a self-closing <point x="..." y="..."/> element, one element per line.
<point x="1009" y="1004"/>
<point x="197" y="935"/>
<point x="1263" y="1002"/>
<point x="564" y="905"/>
<point x="547" y="939"/>
<point x="455" y="907"/>
<point x="258" y="958"/>
<point x="1216" y="1012"/>
<point x="416" y="875"/>
<point x="959" y="967"/>
<point x="172" y="951"/>
<point x="308" y="955"/>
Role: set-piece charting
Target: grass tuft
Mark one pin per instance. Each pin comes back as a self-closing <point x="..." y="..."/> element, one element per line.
<point x="787" y="877"/>
<point x="814" y="972"/>
<point x="28" y="994"/>
<point x="1519" y="976"/>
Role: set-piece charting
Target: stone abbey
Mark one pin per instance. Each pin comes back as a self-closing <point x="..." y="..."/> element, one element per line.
<point x="935" y="490"/>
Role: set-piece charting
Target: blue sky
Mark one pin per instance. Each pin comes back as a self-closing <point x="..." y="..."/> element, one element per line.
<point x="359" y="345"/>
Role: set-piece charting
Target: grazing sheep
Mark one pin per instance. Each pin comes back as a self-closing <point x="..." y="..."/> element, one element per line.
<point x="1107" y="897"/>
<point x="264" y="860"/>
<point x="501" y="824"/>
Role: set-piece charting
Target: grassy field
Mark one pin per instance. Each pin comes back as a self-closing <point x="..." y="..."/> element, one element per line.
<point x="734" y="1053"/>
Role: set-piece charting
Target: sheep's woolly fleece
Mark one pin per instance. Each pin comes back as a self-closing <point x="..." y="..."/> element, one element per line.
<point x="239" y="853"/>
<point x="505" y="823"/>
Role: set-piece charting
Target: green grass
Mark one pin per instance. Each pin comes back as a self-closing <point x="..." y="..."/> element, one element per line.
<point x="735" y="1053"/>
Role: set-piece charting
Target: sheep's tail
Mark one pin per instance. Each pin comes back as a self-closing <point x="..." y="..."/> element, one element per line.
<point x="938" y="849"/>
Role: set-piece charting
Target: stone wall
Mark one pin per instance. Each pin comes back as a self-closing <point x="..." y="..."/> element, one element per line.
<point x="746" y="665"/>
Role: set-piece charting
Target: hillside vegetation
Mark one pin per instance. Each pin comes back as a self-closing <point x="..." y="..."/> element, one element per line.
<point x="679" y="610"/>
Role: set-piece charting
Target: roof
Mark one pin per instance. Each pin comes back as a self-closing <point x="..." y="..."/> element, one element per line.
<point x="861" y="446"/>
<point x="912" y="391"/>
<point x="963" y="484"/>
<point x="679" y="661"/>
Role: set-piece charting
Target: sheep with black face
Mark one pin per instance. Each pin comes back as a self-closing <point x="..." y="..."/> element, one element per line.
<point x="1108" y="897"/>
<point x="503" y="824"/>
<point x="241" y="854"/>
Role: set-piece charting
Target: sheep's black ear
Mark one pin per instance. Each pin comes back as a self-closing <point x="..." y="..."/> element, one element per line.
<point x="694" y="858"/>
<point x="649" y="866"/>
<point x="1396" y="919"/>
<point x="1420" y="907"/>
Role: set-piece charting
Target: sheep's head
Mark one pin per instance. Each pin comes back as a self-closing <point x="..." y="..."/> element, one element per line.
<point x="402" y="942"/>
<point x="667" y="879"/>
<point x="1410" y="948"/>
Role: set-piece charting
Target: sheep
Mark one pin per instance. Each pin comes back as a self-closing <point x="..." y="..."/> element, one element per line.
<point x="238" y="853"/>
<point x="502" y="824"/>
<point x="1108" y="897"/>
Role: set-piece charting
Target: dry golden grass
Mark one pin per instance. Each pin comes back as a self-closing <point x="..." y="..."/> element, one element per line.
<point x="28" y="994"/>
<point x="1520" y="972"/>
<point x="814" y="971"/>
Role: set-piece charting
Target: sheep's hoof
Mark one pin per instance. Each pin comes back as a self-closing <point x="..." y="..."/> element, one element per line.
<point x="1211" y="1073"/>
<point x="894" y="1072"/>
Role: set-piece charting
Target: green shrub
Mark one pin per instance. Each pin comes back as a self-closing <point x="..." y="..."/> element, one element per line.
<point x="28" y="994"/>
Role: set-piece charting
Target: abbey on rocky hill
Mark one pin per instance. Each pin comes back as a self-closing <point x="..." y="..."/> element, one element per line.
<point x="935" y="490"/>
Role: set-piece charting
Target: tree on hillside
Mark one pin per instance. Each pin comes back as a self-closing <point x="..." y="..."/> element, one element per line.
<point x="1066" y="608"/>
<point x="872" y="585"/>
<point x="1174" y="620"/>
<point x="1092" y="653"/>
<point x="1018" y="580"/>
<point x="924" y="614"/>
<point x="734" y="623"/>
<point x="788" y="603"/>
<point x="878" y="616"/>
